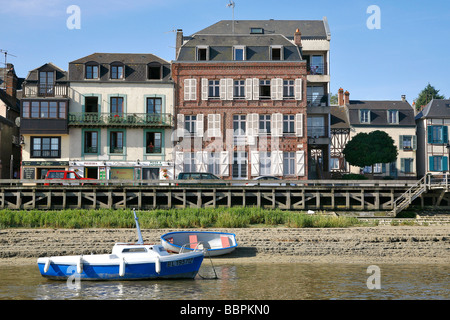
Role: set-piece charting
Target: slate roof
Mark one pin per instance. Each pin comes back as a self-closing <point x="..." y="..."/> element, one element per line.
<point x="61" y="75"/>
<point x="310" y="29"/>
<point x="338" y="118"/>
<point x="135" y="66"/>
<point x="436" y="108"/>
<point x="379" y="114"/>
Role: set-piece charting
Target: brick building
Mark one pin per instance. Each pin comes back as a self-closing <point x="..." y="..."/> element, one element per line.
<point x="240" y="99"/>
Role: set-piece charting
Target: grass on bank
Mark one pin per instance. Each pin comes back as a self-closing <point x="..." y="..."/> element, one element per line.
<point x="170" y="218"/>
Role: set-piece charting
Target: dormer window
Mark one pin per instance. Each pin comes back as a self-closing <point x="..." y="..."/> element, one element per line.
<point x="202" y="53"/>
<point x="392" y="116"/>
<point x="364" y="116"/>
<point x="117" y="70"/>
<point x="154" y="71"/>
<point x="256" y="30"/>
<point x="239" y="53"/>
<point x="46" y="82"/>
<point x="276" y="52"/>
<point x="92" y="70"/>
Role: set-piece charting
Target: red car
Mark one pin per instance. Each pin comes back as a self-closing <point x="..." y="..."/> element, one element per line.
<point x="72" y="176"/>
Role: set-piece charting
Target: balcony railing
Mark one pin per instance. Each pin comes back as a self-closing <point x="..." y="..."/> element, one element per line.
<point x="317" y="131"/>
<point x="45" y="90"/>
<point x="94" y="119"/>
<point x="317" y="68"/>
<point x="315" y="100"/>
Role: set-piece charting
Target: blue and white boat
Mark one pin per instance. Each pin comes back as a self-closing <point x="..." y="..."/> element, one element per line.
<point x="137" y="261"/>
<point x="214" y="243"/>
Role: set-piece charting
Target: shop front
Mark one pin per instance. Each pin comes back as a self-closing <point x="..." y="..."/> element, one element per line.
<point x="35" y="170"/>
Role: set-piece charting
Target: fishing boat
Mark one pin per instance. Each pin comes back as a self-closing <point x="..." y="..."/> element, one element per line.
<point x="214" y="243"/>
<point x="128" y="261"/>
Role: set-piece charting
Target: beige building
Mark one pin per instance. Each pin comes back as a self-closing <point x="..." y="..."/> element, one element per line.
<point x="120" y="117"/>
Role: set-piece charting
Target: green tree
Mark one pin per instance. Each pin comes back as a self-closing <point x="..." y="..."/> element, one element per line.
<point x="426" y="95"/>
<point x="367" y="149"/>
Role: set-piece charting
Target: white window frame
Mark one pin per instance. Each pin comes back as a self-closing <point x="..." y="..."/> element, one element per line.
<point x="243" y="48"/>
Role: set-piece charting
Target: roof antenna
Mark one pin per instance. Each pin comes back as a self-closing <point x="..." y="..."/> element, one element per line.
<point x="5" y="52"/>
<point x="231" y="4"/>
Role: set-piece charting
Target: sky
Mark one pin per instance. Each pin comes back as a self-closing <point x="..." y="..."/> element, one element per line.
<point x="408" y="48"/>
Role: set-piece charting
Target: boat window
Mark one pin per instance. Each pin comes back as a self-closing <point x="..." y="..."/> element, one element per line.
<point x="129" y="250"/>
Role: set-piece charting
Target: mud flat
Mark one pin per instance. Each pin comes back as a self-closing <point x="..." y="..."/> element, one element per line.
<point x="381" y="244"/>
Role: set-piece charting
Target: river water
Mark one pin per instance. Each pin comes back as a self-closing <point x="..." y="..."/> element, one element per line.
<point x="252" y="281"/>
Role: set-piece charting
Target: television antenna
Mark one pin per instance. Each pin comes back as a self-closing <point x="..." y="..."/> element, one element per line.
<point x="231" y="4"/>
<point x="5" y="52"/>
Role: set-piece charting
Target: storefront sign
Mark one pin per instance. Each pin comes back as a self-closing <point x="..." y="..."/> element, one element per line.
<point x="45" y="163"/>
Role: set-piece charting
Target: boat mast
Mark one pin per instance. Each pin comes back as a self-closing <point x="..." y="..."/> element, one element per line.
<point x="140" y="240"/>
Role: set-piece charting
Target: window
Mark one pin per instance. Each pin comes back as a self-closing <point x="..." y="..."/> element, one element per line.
<point x="288" y="163"/>
<point x="154" y="105"/>
<point x="288" y="89"/>
<point x="438" y="163"/>
<point x="239" y="53"/>
<point x="239" y="165"/>
<point x="288" y="123"/>
<point x="264" y="89"/>
<point x="437" y="134"/>
<point x="276" y="53"/>
<point x="408" y="143"/>
<point x="117" y="71"/>
<point x="202" y="53"/>
<point x="214" y="163"/>
<point x="264" y="163"/>
<point x="153" y="142"/>
<point x="239" y="89"/>
<point x="364" y="116"/>
<point x="117" y="105"/>
<point x="407" y="165"/>
<point x="154" y="71"/>
<point x="45" y="147"/>
<point x="316" y="65"/>
<point x="393" y="116"/>
<point x="316" y="95"/>
<point x="189" y="162"/>
<point x="264" y="123"/>
<point x="190" y="123"/>
<point x="316" y="127"/>
<point x="92" y="71"/>
<point x="116" y="142"/>
<point x="256" y="30"/>
<point x="334" y="163"/>
<point x="46" y="83"/>
<point x="214" y="89"/>
<point x="239" y="125"/>
<point x="44" y="109"/>
<point x="90" y="142"/>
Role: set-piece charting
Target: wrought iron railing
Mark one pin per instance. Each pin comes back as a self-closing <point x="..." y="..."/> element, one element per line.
<point x="121" y="119"/>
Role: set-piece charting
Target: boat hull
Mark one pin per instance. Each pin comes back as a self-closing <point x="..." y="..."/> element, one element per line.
<point x="184" y="268"/>
<point x="210" y="241"/>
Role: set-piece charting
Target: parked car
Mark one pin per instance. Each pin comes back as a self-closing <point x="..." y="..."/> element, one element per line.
<point x="71" y="176"/>
<point x="199" y="176"/>
<point x="267" y="181"/>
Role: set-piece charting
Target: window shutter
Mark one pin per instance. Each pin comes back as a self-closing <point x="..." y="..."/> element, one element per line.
<point x="280" y="89"/>
<point x="224" y="161"/>
<point x="300" y="163"/>
<point x="402" y="165"/>
<point x="193" y="94"/>
<point x="431" y="163"/>
<point x="223" y="89"/>
<point x="414" y="143"/>
<point x="179" y="159"/>
<point x="298" y="89"/>
<point x="444" y="163"/>
<point x="277" y="163"/>
<point x="248" y="89"/>
<point x="201" y="161"/>
<point x="187" y="89"/>
<point x="229" y="89"/>
<point x="444" y="134"/>
<point x="204" y="89"/>
<point x="199" y="125"/>
<point x="252" y="124"/>
<point x="180" y="125"/>
<point x="276" y="89"/>
<point x="400" y="142"/>
<point x="277" y="124"/>
<point x="254" y="158"/>
<point x="299" y="124"/>
<point x="430" y="134"/>
<point x="255" y="89"/>
<point x="214" y="125"/>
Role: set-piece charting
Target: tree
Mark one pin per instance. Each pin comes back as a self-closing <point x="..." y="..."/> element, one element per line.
<point x="367" y="149"/>
<point x="426" y="95"/>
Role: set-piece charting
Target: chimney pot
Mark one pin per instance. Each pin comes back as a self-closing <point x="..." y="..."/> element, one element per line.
<point x="341" y="97"/>
<point x="298" y="37"/>
<point x="347" y="97"/>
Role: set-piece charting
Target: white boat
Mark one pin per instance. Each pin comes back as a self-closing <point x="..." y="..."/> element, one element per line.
<point x="215" y="243"/>
<point x="126" y="262"/>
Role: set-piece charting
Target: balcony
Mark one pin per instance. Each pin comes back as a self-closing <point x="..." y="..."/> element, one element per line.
<point x="318" y="135"/>
<point x="94" y="119"/>
<point x="45" y="90"/>
<point x="315" y="100"/>
<point x="317" y="69"/>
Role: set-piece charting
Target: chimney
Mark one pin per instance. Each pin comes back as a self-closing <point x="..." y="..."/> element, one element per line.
<point x="298" y="38"/>
<point x="403" y="98"/>
<point x="347" y="97"/>
<point x="178" y="42"/>
<point x="341" y="97"/>
<point x="11" y="83"/>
